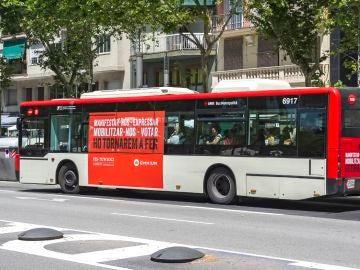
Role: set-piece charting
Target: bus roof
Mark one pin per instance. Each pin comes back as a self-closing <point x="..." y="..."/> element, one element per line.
<point x="153" y="91"/>
<point x="249" y="85"/>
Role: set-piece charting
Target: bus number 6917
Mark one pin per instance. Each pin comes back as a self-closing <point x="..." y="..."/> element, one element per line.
<point x="287" y="101"/>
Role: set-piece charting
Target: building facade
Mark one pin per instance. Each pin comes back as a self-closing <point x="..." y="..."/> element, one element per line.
<point x="31" y="82"/>
<point x="240" y="54"/>
<point x="168" y="59"/>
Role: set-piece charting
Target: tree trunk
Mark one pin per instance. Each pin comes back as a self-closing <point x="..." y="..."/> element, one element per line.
<point x="308" y="73"/>
<point x="307" y="79"/>
<point x="91" y="75"/>
<point x="69" y="90"/>
<point x="205" y="71"/>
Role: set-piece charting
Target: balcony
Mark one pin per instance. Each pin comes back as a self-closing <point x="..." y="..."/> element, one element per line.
<point x="191" y="3"/>
<point x="236" y="22"/>
<point x="289" y="73"/>
<point x="169" y="43"/>
<point x="18" y="68"/>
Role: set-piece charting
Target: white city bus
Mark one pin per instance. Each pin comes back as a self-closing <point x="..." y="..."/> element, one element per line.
<point x="272" y="142"/>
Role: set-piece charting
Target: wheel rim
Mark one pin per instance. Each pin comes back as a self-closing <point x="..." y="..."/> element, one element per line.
<point x="70" y="179"/>
<point x="222" y="185"/>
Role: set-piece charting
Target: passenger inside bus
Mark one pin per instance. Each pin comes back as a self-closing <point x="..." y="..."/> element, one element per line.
<point x="286" y="137"/>
<point x="177" y="136"/>
<point x="215" y="135"/>
<point x="270" y="138"/>
<point x="228" y="138"/>
<point x="259" y="141"/>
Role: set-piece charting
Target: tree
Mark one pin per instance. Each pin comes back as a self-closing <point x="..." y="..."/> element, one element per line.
<point x="296" y="26"/>
<point x="346" y="14"/>
<point x="70" y="32"/>
<point x="174" y="16"/>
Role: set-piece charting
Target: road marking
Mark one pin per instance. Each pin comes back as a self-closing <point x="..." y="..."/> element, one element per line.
<point x="152" y="204"/>
<point x="176" y="205"/>
<point x="172" y="205"/>
<point x="41" y="199"/>
<point x="96" y="258"/>
<point x="167" y="219"/>
<point x="291" y="262"/>
<point x="4" y="190"/>
<point x="13" y="227"/>
<point x="320" y="266"/>
<point x="145" y="247"/>
<point x="230" y="210"/>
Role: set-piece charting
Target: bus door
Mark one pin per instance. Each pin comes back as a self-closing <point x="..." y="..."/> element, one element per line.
<point x="65" y="133"/>
<point x="311" y="139"/>
<point x="33" y="149"/>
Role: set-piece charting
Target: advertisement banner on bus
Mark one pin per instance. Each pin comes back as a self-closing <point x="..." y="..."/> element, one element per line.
<point x="126" y="149"/>
<point x="351" y="157"/>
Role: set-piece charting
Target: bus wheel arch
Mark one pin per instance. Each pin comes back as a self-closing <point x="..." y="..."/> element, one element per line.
<point x="67" y="177"/>
<point x="220" y="184"/>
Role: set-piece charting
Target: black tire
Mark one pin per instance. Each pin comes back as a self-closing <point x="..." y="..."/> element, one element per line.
<point x="68" y="179"/>
<point x="220" y="186"/>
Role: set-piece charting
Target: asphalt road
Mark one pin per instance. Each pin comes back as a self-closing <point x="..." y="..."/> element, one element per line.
<point x="112" y="229"/>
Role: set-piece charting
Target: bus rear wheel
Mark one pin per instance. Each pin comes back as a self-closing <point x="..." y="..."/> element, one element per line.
<point x="220" y="186"/>
<point x="68" y="179"/>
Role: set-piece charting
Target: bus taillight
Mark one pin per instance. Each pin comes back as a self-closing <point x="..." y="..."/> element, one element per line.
<point x="351" y="99"/>
<point x="29" y="112"/>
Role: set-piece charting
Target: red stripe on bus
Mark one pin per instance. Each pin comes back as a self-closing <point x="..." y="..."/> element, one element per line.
<point x="282" y="92"/>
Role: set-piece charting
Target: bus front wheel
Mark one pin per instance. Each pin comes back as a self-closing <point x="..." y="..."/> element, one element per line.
<point x="220" y="186"/>
<point x="68" y="179"/>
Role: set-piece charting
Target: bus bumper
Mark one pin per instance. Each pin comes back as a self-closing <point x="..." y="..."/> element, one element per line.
<point x="343" y="186"/>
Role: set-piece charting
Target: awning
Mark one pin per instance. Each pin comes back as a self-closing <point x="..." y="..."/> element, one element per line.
<point x="14" y="49"/>
<point x="8" y="121"/>
<point x="192" y="3"/>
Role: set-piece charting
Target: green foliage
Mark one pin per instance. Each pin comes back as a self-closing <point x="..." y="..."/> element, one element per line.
<point x="296" y="26"/>
<point x="138" y="18"/>
<point x="5" y="74"/>
<point x="339" y="84"/>
<point x="67" y="29"/>
<point x="174" y="17"/>
<point x="346" y="17"/>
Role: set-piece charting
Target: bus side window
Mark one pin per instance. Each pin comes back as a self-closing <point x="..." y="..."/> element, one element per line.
<point x="311" y="135"/>
<point x="179" y="133"/>
<point x="76" y="133"/>
<point x="272" y="132"/>
<point x="84" y="137"/>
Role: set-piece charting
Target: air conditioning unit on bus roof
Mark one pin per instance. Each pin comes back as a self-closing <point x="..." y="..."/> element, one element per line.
<point x="153" y="91"/>
<point x="249" y="84"/>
